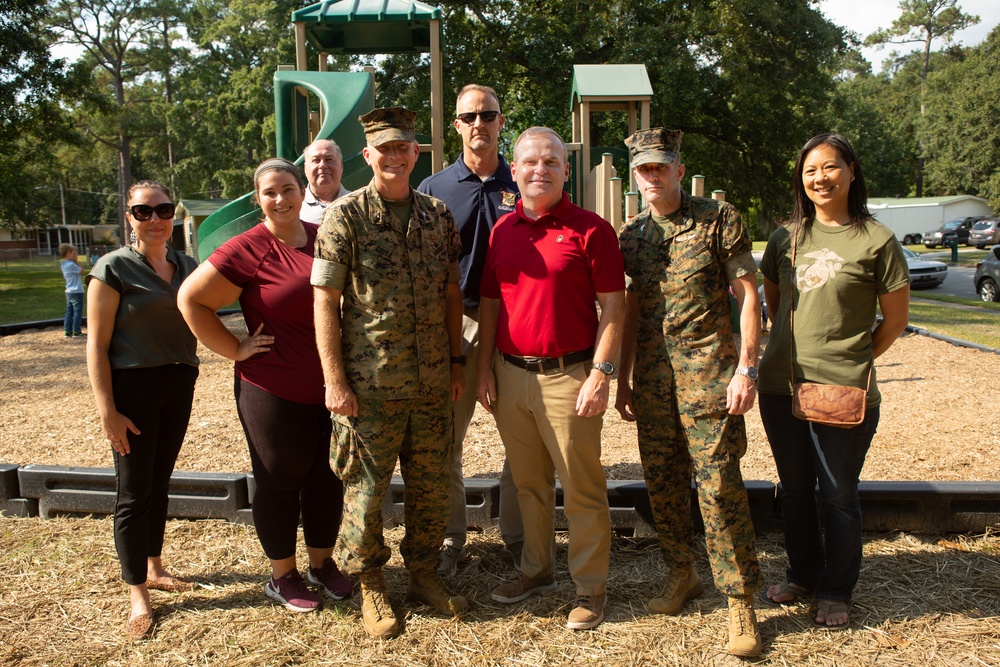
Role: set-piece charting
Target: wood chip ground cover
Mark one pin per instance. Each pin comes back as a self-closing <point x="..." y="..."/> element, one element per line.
<point x="921" y="599"/>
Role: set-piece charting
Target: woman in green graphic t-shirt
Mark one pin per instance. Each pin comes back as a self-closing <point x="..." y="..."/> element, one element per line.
<point x="846" y="264"/>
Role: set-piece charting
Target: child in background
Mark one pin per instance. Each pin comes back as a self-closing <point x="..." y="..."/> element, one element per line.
<point x="74" y="290"/>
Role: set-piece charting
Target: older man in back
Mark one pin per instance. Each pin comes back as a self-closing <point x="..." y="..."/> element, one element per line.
<point x="324" y="167"/>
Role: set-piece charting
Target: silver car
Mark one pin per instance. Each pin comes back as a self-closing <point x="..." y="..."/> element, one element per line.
<point x="924" y="273"/>
<point x="984" y="233"/>
<point x="987" y="276"/>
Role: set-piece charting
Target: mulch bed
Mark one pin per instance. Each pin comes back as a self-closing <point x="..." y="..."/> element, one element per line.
<point x="921" y="599"/>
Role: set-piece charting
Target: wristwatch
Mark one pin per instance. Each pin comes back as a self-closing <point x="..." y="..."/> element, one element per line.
<point x="460" y="360"/>
<point x="605" y="367"/>
<point x="748" y="371"/>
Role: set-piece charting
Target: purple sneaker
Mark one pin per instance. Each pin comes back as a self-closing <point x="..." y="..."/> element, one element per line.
<point x="291" y="591"/>
<point x="332" y="583"/>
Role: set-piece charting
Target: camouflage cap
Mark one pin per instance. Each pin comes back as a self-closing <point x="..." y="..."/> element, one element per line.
<point x="388" y="124"/>
<point x="654" y="145"/>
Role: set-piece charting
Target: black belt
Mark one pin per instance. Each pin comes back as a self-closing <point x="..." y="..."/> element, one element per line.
<point x="542" y="364"/>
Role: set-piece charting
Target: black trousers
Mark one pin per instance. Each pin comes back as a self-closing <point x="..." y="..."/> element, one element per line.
<point x="158" y="401"/>
<point x="290" y="454"/>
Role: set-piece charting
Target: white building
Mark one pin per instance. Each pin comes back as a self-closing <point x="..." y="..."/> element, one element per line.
<point x="910" y="217"/>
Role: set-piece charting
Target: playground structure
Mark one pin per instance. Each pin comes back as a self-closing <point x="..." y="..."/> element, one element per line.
<point x="373" y="27"/>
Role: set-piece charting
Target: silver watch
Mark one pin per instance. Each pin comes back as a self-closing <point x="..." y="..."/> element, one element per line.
<point x="748" y="371"/>
<point x="605" y="367"/>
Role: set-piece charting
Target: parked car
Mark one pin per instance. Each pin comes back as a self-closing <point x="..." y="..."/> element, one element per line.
<point x="987" y="276"/>
<point x="959" y="228"/>
<point x="924" y="273"/>
<point x="985" y="232"/>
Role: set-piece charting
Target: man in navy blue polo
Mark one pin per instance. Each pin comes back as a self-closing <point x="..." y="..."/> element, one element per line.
<point x="479" y="190"/>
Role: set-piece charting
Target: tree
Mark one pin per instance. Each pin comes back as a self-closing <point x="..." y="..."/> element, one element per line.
<point x="31" y="85"/>
<point x="870" y="111"/>
<point x="963" y="126"/>
<point x="115" y="35"/>
<point x="224" y="117"/>
<point x="923" y="21"/>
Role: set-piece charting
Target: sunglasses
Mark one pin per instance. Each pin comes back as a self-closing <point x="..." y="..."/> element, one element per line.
<point x="143" y="212"/>
<point x="470" y="117"/>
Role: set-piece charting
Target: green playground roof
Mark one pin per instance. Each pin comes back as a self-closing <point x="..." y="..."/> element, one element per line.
<point x="608" y="82"/>
<point x="368" y="26"/>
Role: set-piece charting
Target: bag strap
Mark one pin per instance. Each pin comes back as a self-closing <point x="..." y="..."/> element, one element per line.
<point x="791" y="317"/>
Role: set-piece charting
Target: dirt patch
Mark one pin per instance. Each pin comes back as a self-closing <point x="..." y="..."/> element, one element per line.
<point x="920" y="600"/>
<point x="939" y="416"/>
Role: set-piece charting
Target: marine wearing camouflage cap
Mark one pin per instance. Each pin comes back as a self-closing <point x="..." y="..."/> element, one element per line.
<point x="388" y="124"/>
<point x="683" y="254"/>
<point x="656" y="144"/>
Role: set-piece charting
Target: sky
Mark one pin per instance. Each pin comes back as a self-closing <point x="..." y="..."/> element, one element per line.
<point x="866" y="16"/>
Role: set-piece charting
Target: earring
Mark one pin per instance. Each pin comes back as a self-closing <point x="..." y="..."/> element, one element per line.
<point x="132" y="238"/>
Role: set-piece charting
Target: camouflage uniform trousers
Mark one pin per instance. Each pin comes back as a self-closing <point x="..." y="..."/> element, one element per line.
<point x="365" y="449"/>
<point x="671" y="446"/>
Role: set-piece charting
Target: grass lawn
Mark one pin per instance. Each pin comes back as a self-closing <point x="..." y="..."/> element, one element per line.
<point x="32" y="290"/>
<point x="976" y="325"/>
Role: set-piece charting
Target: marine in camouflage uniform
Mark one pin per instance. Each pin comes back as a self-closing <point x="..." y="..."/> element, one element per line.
<point x="386" y="351"/>
<point x="395" y="352"/>
<point x="688" y="399"/>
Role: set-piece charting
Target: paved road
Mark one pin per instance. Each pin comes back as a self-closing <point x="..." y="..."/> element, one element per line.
<point x="958" y="283"/>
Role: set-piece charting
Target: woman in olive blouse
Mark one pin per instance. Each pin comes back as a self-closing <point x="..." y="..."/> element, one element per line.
<point x="142" y="365"/>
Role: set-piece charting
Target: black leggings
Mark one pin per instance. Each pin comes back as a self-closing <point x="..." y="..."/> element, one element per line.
<point x="290" y="454"/>
<point x="158" y="401"/>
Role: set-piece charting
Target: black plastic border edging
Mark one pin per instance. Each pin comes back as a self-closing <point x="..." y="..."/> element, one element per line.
<point x="18" y="327"/>
<point x="920" y="507"/>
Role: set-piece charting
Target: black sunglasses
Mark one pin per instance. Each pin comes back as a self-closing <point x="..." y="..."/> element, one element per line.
<point x="143" y="212"/>
<point x="470" y="117"/>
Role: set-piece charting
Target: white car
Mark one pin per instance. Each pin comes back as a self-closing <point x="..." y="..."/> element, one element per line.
<point x="923" y="272"/>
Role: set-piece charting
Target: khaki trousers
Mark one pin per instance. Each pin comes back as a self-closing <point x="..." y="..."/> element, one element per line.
<point x="543" y="436"/>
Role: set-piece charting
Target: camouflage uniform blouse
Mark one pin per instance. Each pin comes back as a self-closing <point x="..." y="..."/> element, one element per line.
<point x="681" y="281"/>
<point x="394" y="278"/>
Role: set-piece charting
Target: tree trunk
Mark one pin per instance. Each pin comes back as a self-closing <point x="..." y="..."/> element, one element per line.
<point x="124" y="181"/>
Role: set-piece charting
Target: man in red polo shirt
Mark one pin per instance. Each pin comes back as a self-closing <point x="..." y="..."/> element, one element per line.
<point x="547" y="381"/>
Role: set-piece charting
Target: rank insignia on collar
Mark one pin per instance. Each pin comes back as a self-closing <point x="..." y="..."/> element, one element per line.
<point x="509" y="198"/>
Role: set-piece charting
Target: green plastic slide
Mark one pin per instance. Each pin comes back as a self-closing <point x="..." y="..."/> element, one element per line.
<point x="343" y="97"/>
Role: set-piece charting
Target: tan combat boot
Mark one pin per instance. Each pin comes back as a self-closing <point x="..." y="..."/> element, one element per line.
<point x="682" y="585"/>
<point x="376" y="612"/>
<point x="744" y="635"/>
<point x="426" y="588"/>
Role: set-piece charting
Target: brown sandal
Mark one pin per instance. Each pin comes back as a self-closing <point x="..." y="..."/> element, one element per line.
<point x="786" y="588"/>
<point x="833" y="607"/>
<point x="139" y="627"/>
<point x="174" y="585"/>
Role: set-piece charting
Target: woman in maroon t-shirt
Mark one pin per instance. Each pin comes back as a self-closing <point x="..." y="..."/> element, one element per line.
<point x="279" y="384"/>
